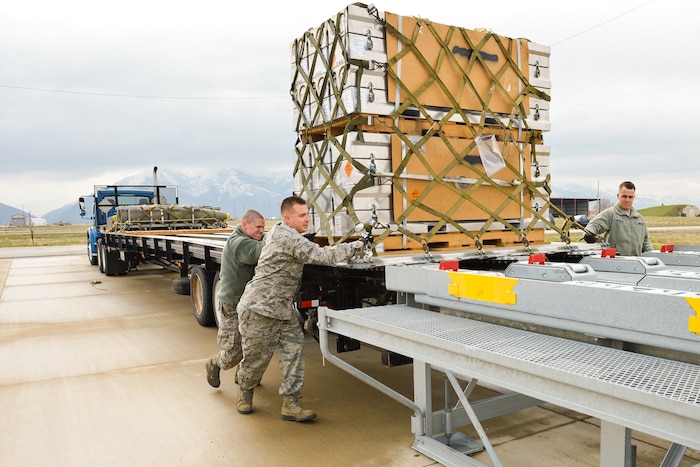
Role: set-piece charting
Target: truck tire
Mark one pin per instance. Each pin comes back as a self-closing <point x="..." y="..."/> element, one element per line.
<point x="215" y="301"/>
<point x="181" y="285"/>
<point x="201" y="282"/>
<point x="113" y="264"/>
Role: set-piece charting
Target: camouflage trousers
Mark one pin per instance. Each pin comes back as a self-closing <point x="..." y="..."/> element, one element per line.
<point x="261" y="337"/>
<point x="229" y="338"/>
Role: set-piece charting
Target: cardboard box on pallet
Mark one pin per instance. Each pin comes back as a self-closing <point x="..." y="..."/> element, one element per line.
<point x="341" y="180"/>
<point x="446" y="177"/>
<point x="474" y="69"/>
<point x="540" y="173"/>
<point x="357" y="64"/>
<point x="416" y="182"/>
<point x="538" y="118"/>
<point x="539" y="162"/>
<point x="326" y="61"/>
<point x="354" y="34"/>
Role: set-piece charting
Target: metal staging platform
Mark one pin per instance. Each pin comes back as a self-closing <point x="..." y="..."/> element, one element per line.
<point x="625" y="390"/>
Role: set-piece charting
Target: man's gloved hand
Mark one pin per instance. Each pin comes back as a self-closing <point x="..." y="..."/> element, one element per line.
<point x="591" y="237"/>
<point x="310" y="236"/>
<point x="366" y="238"/>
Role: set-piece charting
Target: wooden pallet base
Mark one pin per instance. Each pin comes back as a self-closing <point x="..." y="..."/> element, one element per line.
<point x="411" y="126"/>
<point x="452" y="240"/>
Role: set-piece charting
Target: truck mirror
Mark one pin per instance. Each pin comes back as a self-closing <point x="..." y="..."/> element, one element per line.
<point x="81" y="206"/>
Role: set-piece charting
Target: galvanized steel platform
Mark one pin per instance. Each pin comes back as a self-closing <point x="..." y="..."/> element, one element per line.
<point x="650" y="394"/>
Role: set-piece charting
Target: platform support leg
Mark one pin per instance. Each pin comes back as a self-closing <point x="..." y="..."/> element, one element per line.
<point x="423" y="395"/>
<point x="616" y="445"/>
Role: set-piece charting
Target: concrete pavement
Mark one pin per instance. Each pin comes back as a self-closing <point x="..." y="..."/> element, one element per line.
<point x="107" y="371"/>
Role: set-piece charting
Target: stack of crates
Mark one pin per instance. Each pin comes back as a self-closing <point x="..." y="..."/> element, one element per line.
<point x="390" y="110"/>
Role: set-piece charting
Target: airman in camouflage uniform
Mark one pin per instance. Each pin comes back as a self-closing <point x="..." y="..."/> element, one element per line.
<point x="267" y="310"/>
<point x="238" y="260"/>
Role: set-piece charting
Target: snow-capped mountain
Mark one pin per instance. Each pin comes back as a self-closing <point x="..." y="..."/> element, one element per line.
<point x="230" y="190"/>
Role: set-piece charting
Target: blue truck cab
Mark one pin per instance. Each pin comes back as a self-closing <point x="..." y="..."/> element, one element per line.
<point x="104" y="203"/>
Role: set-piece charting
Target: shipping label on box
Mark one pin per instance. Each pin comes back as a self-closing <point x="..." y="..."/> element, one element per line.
<point x="371" y="152"/>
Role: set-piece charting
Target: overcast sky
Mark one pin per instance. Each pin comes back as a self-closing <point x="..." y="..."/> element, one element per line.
<point x="93" y="91"/>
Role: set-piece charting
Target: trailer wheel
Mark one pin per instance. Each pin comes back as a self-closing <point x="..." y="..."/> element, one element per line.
<point x="201" y="282"/>
<point x="214" y="300"/>
<point x="181" y="285"/>
<point x="113" y="264"/>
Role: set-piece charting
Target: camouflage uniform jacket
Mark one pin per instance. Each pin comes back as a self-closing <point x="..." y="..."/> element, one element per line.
<point x="238" y="260"/>
<point x="273" y="289"/>
<point x="627" y="233"/>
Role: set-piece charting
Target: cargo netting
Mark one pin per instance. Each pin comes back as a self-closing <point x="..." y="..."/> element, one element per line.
<point x="424" y="133"/>
<point x="167" y="217"/>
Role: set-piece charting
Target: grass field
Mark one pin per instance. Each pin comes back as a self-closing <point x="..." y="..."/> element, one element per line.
<point x="50" y="235"/>
<point x="75" y="234"/>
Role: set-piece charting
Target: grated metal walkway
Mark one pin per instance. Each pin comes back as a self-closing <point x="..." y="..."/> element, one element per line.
<point x="650" y="394"/>
<point x="660" y="377"/>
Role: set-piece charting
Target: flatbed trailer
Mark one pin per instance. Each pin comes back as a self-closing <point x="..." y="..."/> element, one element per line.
<point x="195" y="254"/>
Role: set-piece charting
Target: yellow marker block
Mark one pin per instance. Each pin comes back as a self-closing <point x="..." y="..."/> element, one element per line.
<point x="694" y="321"/>
<point x="494" y="289"/>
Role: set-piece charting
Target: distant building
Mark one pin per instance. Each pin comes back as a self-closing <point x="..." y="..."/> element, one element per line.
<point x="573" y="206"/>
<point x="20" y="220"/>
<point x="39" y="222"/>
<point x="690" y="211"/>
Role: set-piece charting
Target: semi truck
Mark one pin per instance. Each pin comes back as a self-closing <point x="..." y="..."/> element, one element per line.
<point x="104" y="203"/>
<point x="135" y="224"/>
<point x="431" y="138"/>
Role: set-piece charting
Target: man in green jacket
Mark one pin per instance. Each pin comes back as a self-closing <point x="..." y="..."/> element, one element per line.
<point x="238" y="260"/>
<point x="621" y="226"/>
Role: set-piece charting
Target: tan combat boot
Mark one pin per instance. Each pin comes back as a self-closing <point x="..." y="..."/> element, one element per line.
<point x="245" y="401"/>
<point x="213" y="372"/>
<point x="293" y="411"/>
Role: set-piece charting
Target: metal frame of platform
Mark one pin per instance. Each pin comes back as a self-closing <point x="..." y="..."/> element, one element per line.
<point x="623" y="389"/>
<point x="559" y="296"/>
